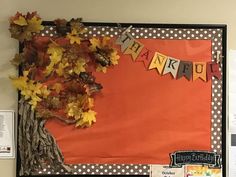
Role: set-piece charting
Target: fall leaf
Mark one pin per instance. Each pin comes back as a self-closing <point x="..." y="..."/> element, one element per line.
<point x="53" y="102"/>
<point x="30" y="15"/>
<point x="26" y="73"/>
<point x="90" y="102"/>
<point x="54" y="48"/>
<point x="19" y="34"/>
<point x="80" y="66"/>
<point x="44" y="91"/>
<point x="34" y="25"/>
<point x="73" y="110"/>
<point x="61" y="26"/>
<point x="23" y="27"/>
<point x="57" y="87"/>
<point x="101" y="68"/>
<point x="34" y="101"/>
<point x="55" y="58"/>
<point x="77" y="25"/>
<point x="87" y="78"/>
<point x="102" y="57"/>
<point x="95" y="42"/>
<point x="73" y="37"/>
<point x="43" y="113"/>
<point x="56" y="53"/>
<point x="32" y="92"/>
<point x="88" y="118"/>
<point x="103" y="54"/>
<point x="105" y="41"/>
<point x="114" y="57"/>
<point x="93" y="88"/>
<point x="30" y="89"/>
<point x="21" y="21"/>
<point x="35" y="87"/>
<point x="18" y="59"/>
<point x="20" y="82"/>
<point x="49" y="69"/>
<point x="60" y="69"/>
<point x="98" y="43"/>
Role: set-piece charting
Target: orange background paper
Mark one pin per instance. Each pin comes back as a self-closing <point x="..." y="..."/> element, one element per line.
<point x="142" y="116"/>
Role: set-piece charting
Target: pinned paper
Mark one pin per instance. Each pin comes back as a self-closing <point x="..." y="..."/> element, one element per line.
<point x="202" y="171"/>
<point x="166" y="171"/>
<point x="213" y="70"/>
<point x="199" y="71"/>
<point x="124" y="41"/>
<point x="134" y="49"/>
<point x="185" y="69"/>
<point x="171" y="66"/>
<point x="145" y="56"/>
<point x="158" y="62"/>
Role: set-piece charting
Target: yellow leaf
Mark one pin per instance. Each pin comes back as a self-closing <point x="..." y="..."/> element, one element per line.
<point x="55" y="58"/>
<point x="82" y="31"/>
<point x="74" y="37"/>
<point x="94" y="44"/>
<point x="26" y="93"/>
<point x="114" y="58"/>
<point x="49" y="69"/>
<point x="73" y="110"/>
<point x="90" y="102"/>
<point x="105" y="41"/>
<point x="55" y="48"/>
<point x="88" y="118"/>
<point x="34" y="25"/>
<point x="26" y="73"/>
<point x="20" y="82"/>
<point x="44" y="91"/>
<point x="98" y="43"/>
<point x="34" y="101"/>
<point x="57" y="87"/>
<point x="21" y="21"/>
<point x="101" y="68"/>
<point x="56" y="53"/>
<point x="80" y="66"/>
<point x="30" y="89"/>
<point x="36" y="88"/>
<point x="18" y="59"/>
<point x="60" y="69"/>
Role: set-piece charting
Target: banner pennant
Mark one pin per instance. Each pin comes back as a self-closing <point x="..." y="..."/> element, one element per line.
<point x="213" y="70"/>
<point x="165" y="64"/>
<point x="199" y="71"/>
<point x="145" y="56"/>
<point x="171" y="66"/>
<point x="158" y="62"/>
<point x="185" y="69"/>
<point x="124" y="41"/>
<point x="134" y="48"/>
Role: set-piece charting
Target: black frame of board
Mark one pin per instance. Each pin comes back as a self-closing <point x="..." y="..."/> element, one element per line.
<point x="223" y="27"/>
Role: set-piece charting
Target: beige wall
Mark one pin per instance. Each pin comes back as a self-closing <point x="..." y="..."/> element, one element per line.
<point x="151" y="11"/>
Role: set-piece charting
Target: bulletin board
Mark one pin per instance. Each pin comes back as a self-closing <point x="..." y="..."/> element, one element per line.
<point x="161" y="105"/>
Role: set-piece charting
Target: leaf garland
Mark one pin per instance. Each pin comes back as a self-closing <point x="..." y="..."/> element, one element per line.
<point x="57" y="78"/>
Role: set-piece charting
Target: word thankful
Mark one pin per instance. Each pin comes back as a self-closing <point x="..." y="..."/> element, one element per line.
<point x="165" y="64"/>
